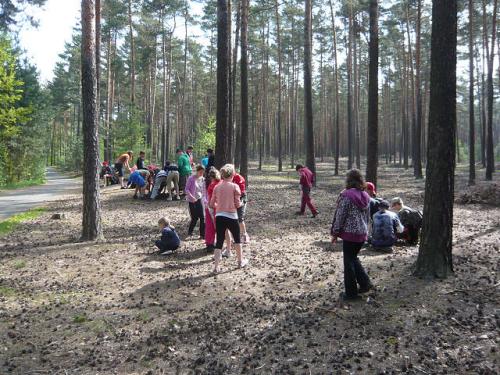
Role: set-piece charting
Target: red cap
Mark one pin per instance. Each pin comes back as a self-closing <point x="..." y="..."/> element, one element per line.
<point x="371" y="187"/>
<point x="105" y="163"/>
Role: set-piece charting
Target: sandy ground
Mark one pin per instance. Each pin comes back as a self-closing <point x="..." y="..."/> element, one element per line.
<point x="113" y="308"/>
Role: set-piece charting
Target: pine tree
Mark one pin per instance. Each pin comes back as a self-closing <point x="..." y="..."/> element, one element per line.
<point x="91" y="224"/>
<point x="435" y="252"/>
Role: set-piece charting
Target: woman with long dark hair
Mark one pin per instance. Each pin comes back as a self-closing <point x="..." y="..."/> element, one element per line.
<point x="350" y="223"/>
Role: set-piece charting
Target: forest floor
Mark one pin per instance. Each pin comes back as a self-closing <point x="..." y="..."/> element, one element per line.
<point x="113" y="308"/>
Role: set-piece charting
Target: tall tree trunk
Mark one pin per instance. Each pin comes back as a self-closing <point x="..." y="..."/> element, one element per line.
<point x="183" y="124"/>
<point x="236" y="130"/>
<point x="164" y="76"/>
<point x="472" y="133"/>
<point x="244" y="89"/>
<point x="490" y="156"/>
<point x="337" y="96"/>
<point x="221" y="132"/>
<point x="230" y="115"/>
<point x="356" y="78"/>
<point x="417" y="142"/>
<point x="350" y="121"/>
<point x="91" y="223"/>
<point x="109" y="89"/>
<point x="309" y="125"/>
<point x="98" y="57"/>
<point x="280" y="95"/>
<point x="132" y="53"/>
<point x="435" y="252"/>
<point x="372" y="139"/>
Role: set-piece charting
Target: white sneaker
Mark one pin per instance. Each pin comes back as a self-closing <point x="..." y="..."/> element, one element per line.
<point x="243" y="263"/>
<point x="226" y="253"/>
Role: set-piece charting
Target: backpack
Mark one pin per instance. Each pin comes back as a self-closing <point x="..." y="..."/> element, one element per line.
<point x="411" y="217"/>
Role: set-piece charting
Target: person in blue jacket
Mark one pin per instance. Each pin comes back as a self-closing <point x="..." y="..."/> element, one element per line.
<point x="170" y="240"/>
<point x="386" y="225"/>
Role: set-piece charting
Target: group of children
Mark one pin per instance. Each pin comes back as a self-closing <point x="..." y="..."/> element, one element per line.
<point x="217" y="203"/>
<point x="358" y="208"/>
<point x="389" y="223"/>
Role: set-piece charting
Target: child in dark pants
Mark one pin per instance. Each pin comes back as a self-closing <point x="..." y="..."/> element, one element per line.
<point x="195" y="190"/>
<point x="226" y="201"/>
<point x="306" y="183"/>
<point x="350" y="223"/>
<point x="169" y="241"/>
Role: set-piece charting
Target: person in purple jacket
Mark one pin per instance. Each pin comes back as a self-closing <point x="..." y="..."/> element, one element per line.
<point x="350" y="223"/>
<point x="195" y="190"/>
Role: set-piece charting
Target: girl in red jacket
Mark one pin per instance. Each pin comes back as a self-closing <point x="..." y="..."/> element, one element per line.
<point x="306" y="183"/>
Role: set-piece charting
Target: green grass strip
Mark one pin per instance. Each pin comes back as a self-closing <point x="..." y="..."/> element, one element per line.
<point x="11" y="223"/>
<point x="23" y="184"/>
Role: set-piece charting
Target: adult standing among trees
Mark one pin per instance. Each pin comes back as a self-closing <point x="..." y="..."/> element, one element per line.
<point x="91" y="223"/>
<point x="434" y="255"/>
<point x="123" y="161"/>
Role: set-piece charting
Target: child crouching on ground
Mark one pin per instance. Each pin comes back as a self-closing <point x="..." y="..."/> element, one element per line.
<point x="170" y="240"/>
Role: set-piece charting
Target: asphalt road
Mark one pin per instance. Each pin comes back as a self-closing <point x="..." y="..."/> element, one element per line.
<point x="13" y="202"/>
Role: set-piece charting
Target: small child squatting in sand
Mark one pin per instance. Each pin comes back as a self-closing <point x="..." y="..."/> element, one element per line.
<point x="170" y="240"/>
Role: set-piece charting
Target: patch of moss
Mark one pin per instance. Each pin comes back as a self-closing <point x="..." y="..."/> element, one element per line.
<point x="18" y="264"/>
<point x="6" y="291"/>
<point x="80" y="319"/>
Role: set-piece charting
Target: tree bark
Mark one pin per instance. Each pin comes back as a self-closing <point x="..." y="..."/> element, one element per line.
<point x="472" y="133"/>
<point x="91" y="223"/>
<point x="490" y="157"/>
<point x="280" y="95"/>
<point x="222" y="116"/>
<point x="372" y="139"/>
<point x="337" y="96"/>
<point x="350" y="122"/>
<point x="309" y="125"/>
<point x="435" y="252"/>
<point x="132" y="53"/>
<point x="417" y="143"/>
<point x="244" y="89"/>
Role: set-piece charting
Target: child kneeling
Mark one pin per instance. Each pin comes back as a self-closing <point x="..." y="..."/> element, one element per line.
<point x="170" y="240"/>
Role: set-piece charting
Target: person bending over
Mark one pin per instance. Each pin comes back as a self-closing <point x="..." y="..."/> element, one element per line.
<point x="123" y="161"/>
<point x="169" y="240"/>
<point x="411" y="220"/>
<point x="139" y="178"/>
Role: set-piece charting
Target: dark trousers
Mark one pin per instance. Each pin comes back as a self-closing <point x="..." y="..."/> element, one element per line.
<point x="182" y="183"/>
<point x="221" y="224"/>
<point x="410" y="234"/>
<point x="307" y="201"/>
<point x="196" y="212"/>
<point x="354" y="273"/>
<point x="164" y="246"/>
